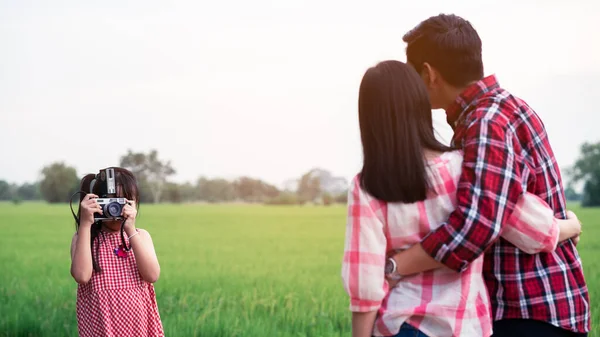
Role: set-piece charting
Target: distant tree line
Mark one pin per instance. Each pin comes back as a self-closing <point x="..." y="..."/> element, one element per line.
<point x="59" y="181"/>
<point x="586" y="170"/>
<point x="18" y="193"/>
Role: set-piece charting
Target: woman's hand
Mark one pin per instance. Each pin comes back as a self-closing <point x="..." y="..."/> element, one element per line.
<point x="129" y="213"/>
<point x="88" y="207"/>
<point x="392" y="282"/>
<point x="570" y="228"/>
<point x="578" y="230"/>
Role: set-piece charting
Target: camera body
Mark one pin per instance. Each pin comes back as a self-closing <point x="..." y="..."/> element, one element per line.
<point x="106" y="187"/>
<point x="111" y="208"/>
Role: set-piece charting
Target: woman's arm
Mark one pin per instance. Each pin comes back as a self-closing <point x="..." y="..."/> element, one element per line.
<point x="364" y="259"/>
<point x="531" y="227"/>
<point x="362" y="323"/>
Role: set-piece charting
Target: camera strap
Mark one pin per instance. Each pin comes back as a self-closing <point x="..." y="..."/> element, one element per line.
<point x="71" y="205"/>
<point x="125" y="248"/>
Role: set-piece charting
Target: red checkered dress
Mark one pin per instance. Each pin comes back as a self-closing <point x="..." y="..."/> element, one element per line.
<point x="441" y="302"/>
<point x="117" y="302"/>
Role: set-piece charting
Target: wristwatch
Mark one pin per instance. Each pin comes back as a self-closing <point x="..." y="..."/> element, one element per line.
<point x="390" y="270"/>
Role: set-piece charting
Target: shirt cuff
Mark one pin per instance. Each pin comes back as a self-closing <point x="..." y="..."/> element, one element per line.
<point x="357" y="305"/>
<point x="551" y="241"/>
<point x="434" y="245"/>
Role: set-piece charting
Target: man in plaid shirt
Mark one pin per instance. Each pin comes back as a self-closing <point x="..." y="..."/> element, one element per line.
<point x="506" y="152"/>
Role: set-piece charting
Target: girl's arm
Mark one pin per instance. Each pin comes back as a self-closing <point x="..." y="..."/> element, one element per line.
<point x="81" y="250"/>
<point x="81" y="255"/>
<point x="142" y="245"/>
<point x="145" y="255"/>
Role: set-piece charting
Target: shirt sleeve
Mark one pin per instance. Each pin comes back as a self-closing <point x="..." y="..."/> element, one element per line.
<point x="532" y="226"/>
<point x="364" y="252"/>
<point x="488" y="189"/>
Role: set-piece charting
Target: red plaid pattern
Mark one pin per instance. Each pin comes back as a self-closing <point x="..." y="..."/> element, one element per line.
<point x="117" y="302"/>
<point x="506" y="153"/>
<point x="439" y="302"/>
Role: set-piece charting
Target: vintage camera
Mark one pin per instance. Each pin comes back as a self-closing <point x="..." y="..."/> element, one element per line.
<point x="111" y="208"/>
<point x="105" y="186"/>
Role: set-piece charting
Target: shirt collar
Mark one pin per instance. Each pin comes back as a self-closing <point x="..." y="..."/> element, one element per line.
<point x="468" y="97"/>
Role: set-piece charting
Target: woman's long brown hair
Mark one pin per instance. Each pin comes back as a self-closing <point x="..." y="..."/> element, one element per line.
<point x="396" y="127"/>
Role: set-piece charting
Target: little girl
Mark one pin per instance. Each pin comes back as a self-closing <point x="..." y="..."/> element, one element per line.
<point x="115" y="270"/>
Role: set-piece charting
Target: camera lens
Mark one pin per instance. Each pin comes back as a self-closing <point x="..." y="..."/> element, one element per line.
<point x="113" y="209"/>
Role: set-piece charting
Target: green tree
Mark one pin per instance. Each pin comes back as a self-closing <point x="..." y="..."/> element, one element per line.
<point x="309" y="187"/>
<point x="5" y="191"/>
<point x="591" y="193"/>
<point x="571" y="194"/>
<point x="317" y="183"/>
<point x="58" y="183"/>
<point x="150" y="171"/>
<point x="327" y="199"/>
<point x="29" y="191"/>
<point x="172" y="193"/>
<point x="587" y="169"/>
<point x="284" y="198"/>
<point x="215" y="190"/>
<point x="254" y="190"/>
<point x="342" y="198"/>
<point x="188" y="192"/>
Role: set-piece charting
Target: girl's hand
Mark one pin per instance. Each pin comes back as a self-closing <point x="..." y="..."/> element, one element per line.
<point x="129" y="213"/>
<point x="88" y="207"/>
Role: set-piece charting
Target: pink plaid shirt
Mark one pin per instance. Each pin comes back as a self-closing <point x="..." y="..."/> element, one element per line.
<point x="440" y="302"/>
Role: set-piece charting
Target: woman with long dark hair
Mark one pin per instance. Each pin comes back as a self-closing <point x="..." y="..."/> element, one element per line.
<point x="406" y="188"/>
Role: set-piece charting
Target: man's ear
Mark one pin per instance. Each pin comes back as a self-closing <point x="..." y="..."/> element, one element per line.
<point x="430" y="76"/>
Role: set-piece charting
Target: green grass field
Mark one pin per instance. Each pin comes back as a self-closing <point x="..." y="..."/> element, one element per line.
<point x="225" y="270"/>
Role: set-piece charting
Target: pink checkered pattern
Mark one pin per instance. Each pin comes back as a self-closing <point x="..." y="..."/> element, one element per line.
<point x="117" y="302"/>
<point x="441" y="302"/>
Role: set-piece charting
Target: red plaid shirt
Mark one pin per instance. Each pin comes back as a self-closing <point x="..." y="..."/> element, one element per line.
<point x="507" y="152"/>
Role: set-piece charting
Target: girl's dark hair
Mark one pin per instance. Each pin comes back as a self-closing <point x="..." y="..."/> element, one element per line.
<point x="126" y="188"/>
<point x="396" y="127"/>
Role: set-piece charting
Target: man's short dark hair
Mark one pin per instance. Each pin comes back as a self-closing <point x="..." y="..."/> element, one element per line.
<point x="449" y="44"/>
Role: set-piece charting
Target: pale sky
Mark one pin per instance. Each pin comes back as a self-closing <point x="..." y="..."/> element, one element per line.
<point x="261" y="88"/>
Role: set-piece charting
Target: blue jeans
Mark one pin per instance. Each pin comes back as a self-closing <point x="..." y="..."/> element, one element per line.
<point x="407" y="330"/>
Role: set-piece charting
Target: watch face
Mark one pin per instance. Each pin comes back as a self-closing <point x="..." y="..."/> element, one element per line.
<point x="389" y="267"/>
